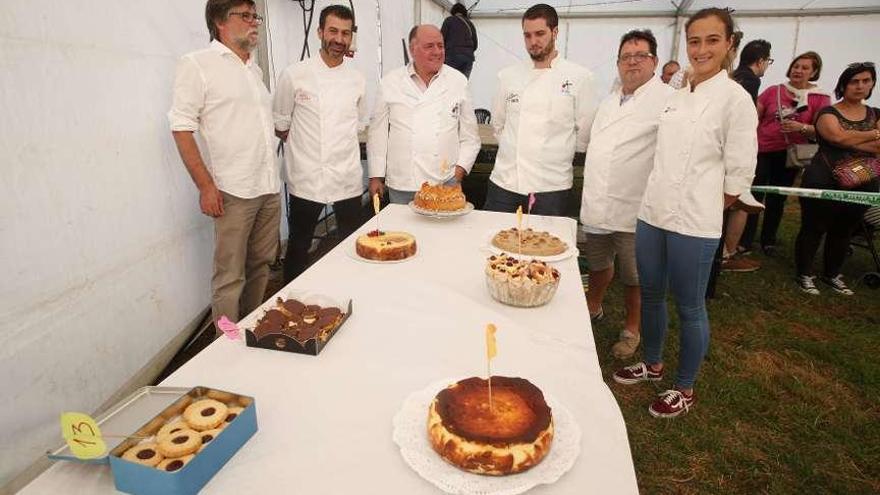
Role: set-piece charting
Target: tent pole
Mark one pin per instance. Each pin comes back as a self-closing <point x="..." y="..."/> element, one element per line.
<point x="680" y="11"/>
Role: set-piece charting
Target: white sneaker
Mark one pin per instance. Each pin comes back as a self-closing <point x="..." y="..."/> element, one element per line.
<point x="807" y="284"/>
<point x="838" y="286"/>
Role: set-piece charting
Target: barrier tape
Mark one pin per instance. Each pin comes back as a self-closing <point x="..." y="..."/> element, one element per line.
<point x="858" y="197"/>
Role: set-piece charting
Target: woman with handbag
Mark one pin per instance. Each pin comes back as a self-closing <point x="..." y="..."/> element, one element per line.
<point x="849" y="145"/>
<point x="704" y="160"/>
<point x="785" y="116"/>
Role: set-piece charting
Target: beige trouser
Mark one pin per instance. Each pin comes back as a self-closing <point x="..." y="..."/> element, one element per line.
<point x="245" y="243"/>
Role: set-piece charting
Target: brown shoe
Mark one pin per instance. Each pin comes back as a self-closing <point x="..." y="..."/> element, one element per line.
<point x="739" y="265"/>
<point x="627" y="345"/>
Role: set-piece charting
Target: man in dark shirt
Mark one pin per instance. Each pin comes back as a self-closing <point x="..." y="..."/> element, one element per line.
<point x="460" y="39"/>
<point x="754" y="60"/>
<point x="753" y="63"/>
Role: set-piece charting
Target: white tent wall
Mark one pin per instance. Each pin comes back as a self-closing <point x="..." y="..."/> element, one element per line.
<point x="105" y="256"/>
<point x="592" y="43"/>
<point x="839" y="40"/>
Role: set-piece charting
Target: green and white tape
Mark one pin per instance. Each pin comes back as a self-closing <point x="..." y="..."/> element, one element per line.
<point x="858" y="197"/>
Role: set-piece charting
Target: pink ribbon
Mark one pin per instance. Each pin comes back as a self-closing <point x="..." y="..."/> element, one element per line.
<point x="228" y="328"/>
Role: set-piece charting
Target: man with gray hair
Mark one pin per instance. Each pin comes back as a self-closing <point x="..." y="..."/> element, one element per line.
<point x="219" y="94"/>
<point x="423" y="127"/>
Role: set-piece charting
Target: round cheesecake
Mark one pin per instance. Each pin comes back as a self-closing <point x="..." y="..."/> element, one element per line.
<point x="440" y="198"/>
<point x="511" y="437"/>
<point x="386" y="246"/>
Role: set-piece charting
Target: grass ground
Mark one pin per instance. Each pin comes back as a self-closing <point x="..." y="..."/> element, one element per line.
<point x="788" y="399"/>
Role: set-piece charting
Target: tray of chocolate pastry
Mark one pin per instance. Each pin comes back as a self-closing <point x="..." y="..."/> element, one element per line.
<point x="303" y="325"/>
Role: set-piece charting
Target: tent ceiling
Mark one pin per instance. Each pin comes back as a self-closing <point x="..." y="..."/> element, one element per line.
<point x="668" y="8"/>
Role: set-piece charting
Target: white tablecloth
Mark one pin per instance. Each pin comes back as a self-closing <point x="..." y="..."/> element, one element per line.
<point x="325" y="421"/>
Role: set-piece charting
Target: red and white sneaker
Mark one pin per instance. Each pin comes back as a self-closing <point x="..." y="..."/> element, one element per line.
<point x="639" y="372"/>
<point x="671" y="403"/>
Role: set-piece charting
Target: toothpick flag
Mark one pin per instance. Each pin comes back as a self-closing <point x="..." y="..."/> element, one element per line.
<point x="376" y="205"/>
<point x="491" y="352"/>
<point x="532" y="200"/>
<point x="491" y="347"/>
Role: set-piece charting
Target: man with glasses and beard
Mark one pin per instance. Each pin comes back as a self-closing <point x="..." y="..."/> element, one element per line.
<point x="541" y="113"/>
<point x="318" y="108"/>
<point x="619" y="159"/>
<point x="219" y="93"/>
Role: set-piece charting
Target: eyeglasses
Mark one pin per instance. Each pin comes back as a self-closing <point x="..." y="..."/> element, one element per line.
<point x="638" y="57"/>
<point x="249" y="17"/>
<point x="858" y="65"/>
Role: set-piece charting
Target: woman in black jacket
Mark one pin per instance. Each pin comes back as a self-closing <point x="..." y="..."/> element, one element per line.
<point x="460" y="38"/>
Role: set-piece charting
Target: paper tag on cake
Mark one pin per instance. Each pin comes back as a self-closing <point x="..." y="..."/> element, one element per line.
<point x="229" y="329"/>
<point x="82" y="435"/>
<point x="376" y="203"/>
<point x="491" y="345"/>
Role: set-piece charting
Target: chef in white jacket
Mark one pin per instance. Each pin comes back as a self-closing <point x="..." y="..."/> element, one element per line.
<point x="707" y="145"/>
<point x="619" y="159"/>
<point x="541" y="115"/>
<point x="423" y="127"/>
<point x="318" y="108"/>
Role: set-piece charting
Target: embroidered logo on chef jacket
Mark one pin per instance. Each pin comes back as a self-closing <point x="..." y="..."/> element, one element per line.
<point x="302" y="96"/>
<point x="566" y="87"/>
<point x="512" y="98"/>
<point x="669" y="109"/>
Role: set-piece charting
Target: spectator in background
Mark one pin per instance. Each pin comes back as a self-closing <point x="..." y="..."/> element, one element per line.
<point x="846" y="130"/>
<point x="460" y="38"/>
<point x="619" y="159"/>
<point x="706" y="148"/>
<point x="786" y="113"/>
<point x="753" y="64"/>
<point x="669" y="70"/>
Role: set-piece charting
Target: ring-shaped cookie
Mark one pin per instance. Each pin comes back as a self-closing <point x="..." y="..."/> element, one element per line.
<point x="205" y="414"/>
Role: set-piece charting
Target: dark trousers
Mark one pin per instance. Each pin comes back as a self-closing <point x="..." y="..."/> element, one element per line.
<point x="546" y="203"/>
<point x="301" y="223"/>
<point x="834" y="220"/>
<point x="770" y="171"/>
<point x="460" y="62"/>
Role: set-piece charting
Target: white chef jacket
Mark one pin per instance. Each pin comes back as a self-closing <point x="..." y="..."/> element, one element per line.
<point x="224" y="99"/>
<point x="707" y="146"/>
<point x="413" y="132"/>
<point x="620" y="157"/>
<point x="540" y="117"/>
<point x="323" y="107"/>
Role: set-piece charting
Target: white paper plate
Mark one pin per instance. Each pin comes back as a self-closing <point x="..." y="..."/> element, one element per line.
<point x="351" y="251"/>
<point x="468" y="207"/>
<point x="410" y="424"/>
<point x="570" y="251"/>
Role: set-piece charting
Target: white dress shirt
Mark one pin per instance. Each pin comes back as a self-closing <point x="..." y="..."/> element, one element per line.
<point x="540" y="117"/>
<point x="323" y="108"/>
<point x="620" y="157"/>
<point x="224" y="99"/>
<point x="707" y="146"/>
<point x="412" y="133"/>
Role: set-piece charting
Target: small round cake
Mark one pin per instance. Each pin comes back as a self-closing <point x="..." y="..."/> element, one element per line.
<point x="520" y="282"/>
<point x="440" y="198"/>
<point x="511" y="437"/>
<point x="386" y="246"/>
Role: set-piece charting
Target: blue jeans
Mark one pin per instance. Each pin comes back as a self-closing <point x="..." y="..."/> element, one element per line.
<point x="683" y="263"/>
<point x="546" y="203"/>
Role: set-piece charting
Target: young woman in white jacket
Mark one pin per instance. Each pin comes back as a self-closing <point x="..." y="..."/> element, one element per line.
<point x="705" y="158"/>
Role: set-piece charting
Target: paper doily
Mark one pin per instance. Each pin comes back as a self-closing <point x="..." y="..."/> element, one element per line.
<point x="410" y="434"/>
